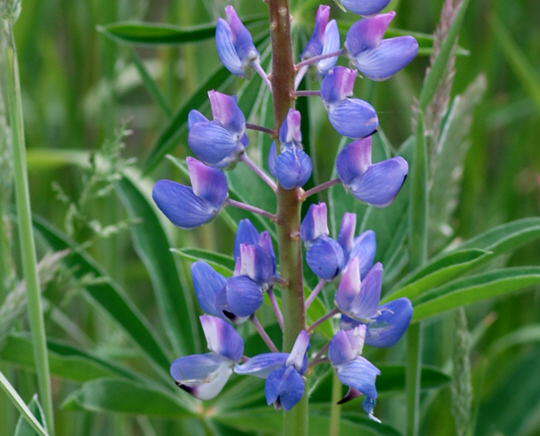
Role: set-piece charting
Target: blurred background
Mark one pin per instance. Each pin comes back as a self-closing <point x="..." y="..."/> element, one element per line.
<point x="82" y="91"/>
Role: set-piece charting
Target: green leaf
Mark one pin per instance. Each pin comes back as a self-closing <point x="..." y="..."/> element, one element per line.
<point x="219" y="79"/>
<point x="221" y="262"/>
<point x="108" y="395"/>
<point x="523" y="335"/>
<point x="439" y="67"/>
<point x="153" y="247"/>
<point x="23" y="428"/>
<point x="473" y="289"/>
<point x="18" y="402"/>
<point x="107" y="294"/>
<point x="438" y="272"/>
<point x="65" y="361"/>
<point x="134" y="32"/>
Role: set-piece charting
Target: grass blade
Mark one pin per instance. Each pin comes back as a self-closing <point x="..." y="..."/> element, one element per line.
<point x="20" y="404"/>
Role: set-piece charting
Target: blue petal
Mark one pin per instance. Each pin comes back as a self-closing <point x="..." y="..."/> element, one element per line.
<point x="226" y="111"/>
<point x="346" y="232"/>
<point x="325" y="257"/>
<point x="367" y="33"/>
<point x="208" y="285"/>
<point x="381" y="183"/>
<point x="293" y="168"/>
<point x="213" y="143"/>
<point x="354" y="160"/>
<point x="389" y="57"/>
<point x="196" y="117"/>
<point x="297" y="355"/>
<point x="365" y="7"/>
<point x="350" y="286"/>
<point x="262" y="365"/>
<point x="290" y="132"/>
<point x="315" y="45"/>
<point x="331" y="44"/>
<point x="365" y="304"/>
<point x="246" y="234"/>
<point x="338" y="84"/>
<point x="244" y="296"/>
<point x="225" y="47"/>
<point x="257" y="263"/>
<point x="346" y="345"/>
<point x="353" y="117"/>
<point x="393" y="321"/>
<point x="181" y="205"/>
<point x="243" y="42"/>
<point x="284" y="387"/>
<point x="202" y="375"/>
<point x="315" y="223"/>
<point x="222" y="338"/>
<point x="365" y="247"/>
<point x="360" y="374"/>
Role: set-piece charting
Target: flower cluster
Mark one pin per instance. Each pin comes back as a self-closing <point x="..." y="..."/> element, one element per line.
<point x="349" y="259"/>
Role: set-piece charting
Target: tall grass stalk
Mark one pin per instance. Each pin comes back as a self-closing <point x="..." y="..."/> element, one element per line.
<point x="418" y="242"/>
<point x="12" y="97"/>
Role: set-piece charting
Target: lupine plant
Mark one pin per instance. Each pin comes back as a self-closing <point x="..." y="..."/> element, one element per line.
<point x="347" y="259"/>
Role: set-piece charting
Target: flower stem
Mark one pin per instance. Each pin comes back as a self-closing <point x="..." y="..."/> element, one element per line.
<point x="321" y="187"/>
<point x="289" y="206"/>
<point x="12" y="94"/>
<point x="262" y="73"/>
<point x="260" y="128"/>
<point x="326" y="317"/>
<point x="418" y="255"/>
<point x="307" y="93"/>
<point x="260" y="172"/>
<point x="315" y="59"/>
<point x="335" y="408"/>
<point x="251" y="208"/>
<point x="320" y="286"/>
<point x="277" y="310"/>
<point x="262" y="332"/>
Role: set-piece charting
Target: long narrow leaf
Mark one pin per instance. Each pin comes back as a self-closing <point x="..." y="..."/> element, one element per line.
<point x="153" y="247"/>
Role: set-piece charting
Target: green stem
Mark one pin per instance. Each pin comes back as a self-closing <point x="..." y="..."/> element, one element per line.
<point x="12" y="90"/>
<point x="418" y="255"/>
<point x="335" y="408"/>
<point x="289" y="206"/>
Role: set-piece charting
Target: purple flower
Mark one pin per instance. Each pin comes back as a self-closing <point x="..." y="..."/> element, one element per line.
<point x="283" y="372"/>
<point x="235" y="44"/>
<point x="325" y="40"/>
<point x="365" y="7"/>
<point x="374" y="57"/>
<point x="354" y="370"/>
<point x="254" y="255"/>
<point x="205" y="375"/>
<point x="219" y="142"/>
<point x="363" y="246"/>
<point x="292" y="167"/>
<point x="235" y="298"/>
<point x="351" y="117"/>
<point x="358" y="301"/>
<point x="376" y="184"/>
<point x="324" y="254"/>
<point x="189" y="207"/>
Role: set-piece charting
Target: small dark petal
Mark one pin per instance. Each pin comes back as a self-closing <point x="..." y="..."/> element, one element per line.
<point x="351" y="395"/>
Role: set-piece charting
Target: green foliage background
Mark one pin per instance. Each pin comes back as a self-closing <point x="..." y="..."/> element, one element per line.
<point x="82" y="88"/>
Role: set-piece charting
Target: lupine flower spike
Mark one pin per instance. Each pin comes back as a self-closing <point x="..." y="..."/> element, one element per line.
<point x="222" y="141"/>
<point x="376" y="184"/>
<point x="205" y="375"/>
<point x="235" y="46"/>
<point x="351" y="117"/>
<point x="292" y="167"/>
<point x="377" y="58"/>
<point x="283" y="372"/>
<point x="195" y="205"/>
<point x="324" y="41"/>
